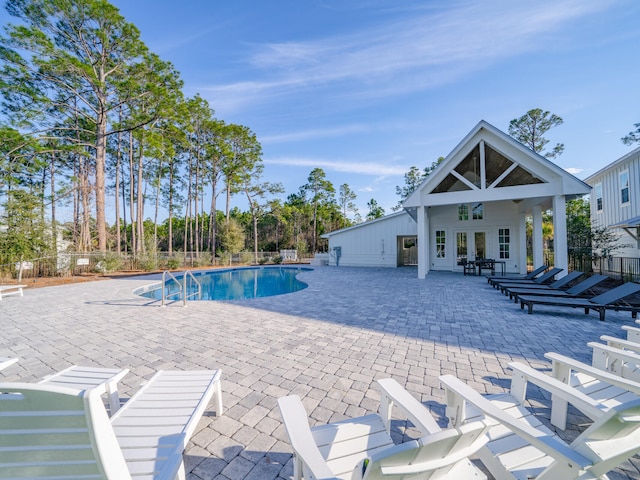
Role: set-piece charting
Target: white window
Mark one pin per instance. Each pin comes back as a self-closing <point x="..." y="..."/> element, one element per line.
<point x="624" y="187"/>
<point x="463" y="211"/>
<point x="504" y="239"/>
<point x="441" y="239"/>
<point x="478" y="211"/>
<point x="598" y="194"/>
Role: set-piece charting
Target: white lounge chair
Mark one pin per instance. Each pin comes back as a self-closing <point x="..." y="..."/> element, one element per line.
<point x="6" y="290"/>
<point x="522" y="448"/>
<point x="7" y="362"/>
<point x="362" y="448"/>
<point x="104" y="380"/>
<point x="48" y="431"/>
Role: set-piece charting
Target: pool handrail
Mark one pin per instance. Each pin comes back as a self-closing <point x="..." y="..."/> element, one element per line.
<point x="187" y="274"/>
<point x="183" y="286"/>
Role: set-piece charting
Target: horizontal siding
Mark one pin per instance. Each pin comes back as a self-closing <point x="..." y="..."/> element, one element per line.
<point x="373" y="244"/>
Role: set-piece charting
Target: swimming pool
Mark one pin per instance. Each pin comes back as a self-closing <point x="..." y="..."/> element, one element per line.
<point x="238" y="283"/>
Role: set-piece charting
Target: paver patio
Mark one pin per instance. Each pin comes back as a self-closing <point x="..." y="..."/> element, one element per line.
<point x="327" y="343"/>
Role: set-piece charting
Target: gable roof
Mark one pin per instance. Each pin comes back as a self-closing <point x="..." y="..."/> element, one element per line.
<point x="633" y="153"/>
<point x="489" y="165"/>
<point x="366" y="223"/>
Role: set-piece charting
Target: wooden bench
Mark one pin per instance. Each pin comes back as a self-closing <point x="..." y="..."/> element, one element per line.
<point x="6" y="290"/>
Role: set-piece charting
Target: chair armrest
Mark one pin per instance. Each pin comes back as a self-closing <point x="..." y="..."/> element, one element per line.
<point x="304" y="446"/>
<point x="523" y="374"/>
<point x="562" y="361"/>
<point x="616" y="342"/>
<point x="633" y="333"/>
<point x="392" y="393"/>
<point x="612" y="358"/>
<point x="539" y="439"/>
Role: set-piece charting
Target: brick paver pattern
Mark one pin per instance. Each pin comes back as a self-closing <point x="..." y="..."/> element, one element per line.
<point x="327" y="343"/>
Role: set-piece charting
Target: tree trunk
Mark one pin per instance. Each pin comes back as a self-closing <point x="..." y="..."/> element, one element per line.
<point x="157" y="207"/>
<point x="132" y="189"/>
<point x="117" y="194"/>
<point x="124" y="208"/>
<point x="140" y="198"/>
<point x="54" y="229"/>
<point x="101" y="152"/>
<point x="170" y="208"/>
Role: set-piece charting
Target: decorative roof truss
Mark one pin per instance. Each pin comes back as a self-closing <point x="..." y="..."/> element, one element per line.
<point x="484" y="168"/>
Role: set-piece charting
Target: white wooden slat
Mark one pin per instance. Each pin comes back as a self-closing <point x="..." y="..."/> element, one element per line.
<point x="154" y="425"/>
<point x="135" y="421"/>
<point x="343" y="466"/>
<point x="355" y="445"/>
<point x="149" y="442"/>
<point x="340" y="431"/>
<point x="6" y="362"/>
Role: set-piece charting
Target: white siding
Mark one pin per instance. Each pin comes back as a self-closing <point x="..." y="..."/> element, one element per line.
<point x="612" y="209"/>
<point x="496" y="215"/>
<point x="372" y="244"/>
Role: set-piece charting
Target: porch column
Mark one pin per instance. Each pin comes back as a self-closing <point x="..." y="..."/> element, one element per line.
<point x="522" y="247"/>
<point x="560" y="250"/>
<point x="423" y="242"/>
<point x="538" y="254"/>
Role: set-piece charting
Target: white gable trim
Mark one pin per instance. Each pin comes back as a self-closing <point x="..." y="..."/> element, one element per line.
<point x="558" y="181"/>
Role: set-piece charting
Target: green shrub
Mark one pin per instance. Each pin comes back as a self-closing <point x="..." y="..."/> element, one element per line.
<point x="148" y="263"/>
<point x="225" y="258"/>
<point x="109" y="262"/>
<point x="173" y="263"/>
<point x="277" y="260"/>
<point x="263" y="260"/>
<point x="246" y="257"/>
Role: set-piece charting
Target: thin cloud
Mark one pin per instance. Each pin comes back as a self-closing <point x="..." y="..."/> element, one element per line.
<point x="363" y="168"/>
<point x="574" y="170"/>
<point x="414" y="53"/>
<point x="314" y="133"/>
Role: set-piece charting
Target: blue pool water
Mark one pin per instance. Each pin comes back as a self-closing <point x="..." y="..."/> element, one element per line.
<point x="238" y="284"/>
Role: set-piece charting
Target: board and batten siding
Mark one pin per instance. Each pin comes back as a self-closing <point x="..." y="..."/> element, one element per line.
<point x="496" y="215"/>
<point x="373" y="243"/>
<point x="613" y="211"/>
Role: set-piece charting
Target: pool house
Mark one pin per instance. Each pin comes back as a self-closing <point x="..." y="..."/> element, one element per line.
<point x="473" y="205"/>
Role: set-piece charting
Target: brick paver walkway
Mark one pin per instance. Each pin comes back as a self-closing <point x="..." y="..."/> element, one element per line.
<point x="327" y="343"/>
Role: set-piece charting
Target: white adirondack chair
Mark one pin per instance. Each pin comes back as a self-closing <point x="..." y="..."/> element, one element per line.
<point x="48" y="431"/>
<point x="362" y="448"/>
<point x="522" y="448"/>
<point x="604" y="388"/>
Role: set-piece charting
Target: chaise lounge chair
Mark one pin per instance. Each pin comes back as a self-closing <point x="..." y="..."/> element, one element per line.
<point x="546" y="277"/>
<point x="562" y="282"/>
<point x="529" y="276"/>
<point x="522" y="448"/>
<point x="58" y="432"/>
<point x="600" y="303"/>
<point x="577" y="290"/>
<point x="362" y="448"/>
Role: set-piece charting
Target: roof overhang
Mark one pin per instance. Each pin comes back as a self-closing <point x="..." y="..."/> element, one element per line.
<point x="629" y="223"/>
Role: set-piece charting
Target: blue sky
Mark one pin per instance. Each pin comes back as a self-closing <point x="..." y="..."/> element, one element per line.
<point x="366" y="89"/>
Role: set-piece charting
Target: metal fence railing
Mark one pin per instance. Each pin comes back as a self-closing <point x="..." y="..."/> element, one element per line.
<point x="626" y="269"/>
<point x="75" y="264"/>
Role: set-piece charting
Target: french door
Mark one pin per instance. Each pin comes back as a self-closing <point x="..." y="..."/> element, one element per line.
<point x="471" y="244"/>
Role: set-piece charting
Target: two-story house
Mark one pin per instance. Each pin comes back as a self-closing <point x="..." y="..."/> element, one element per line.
<point x="615" y="201"/>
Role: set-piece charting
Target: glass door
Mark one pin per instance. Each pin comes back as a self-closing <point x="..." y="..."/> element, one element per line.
<point x="480" y="245"/>
<point x="461" y="248"/>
